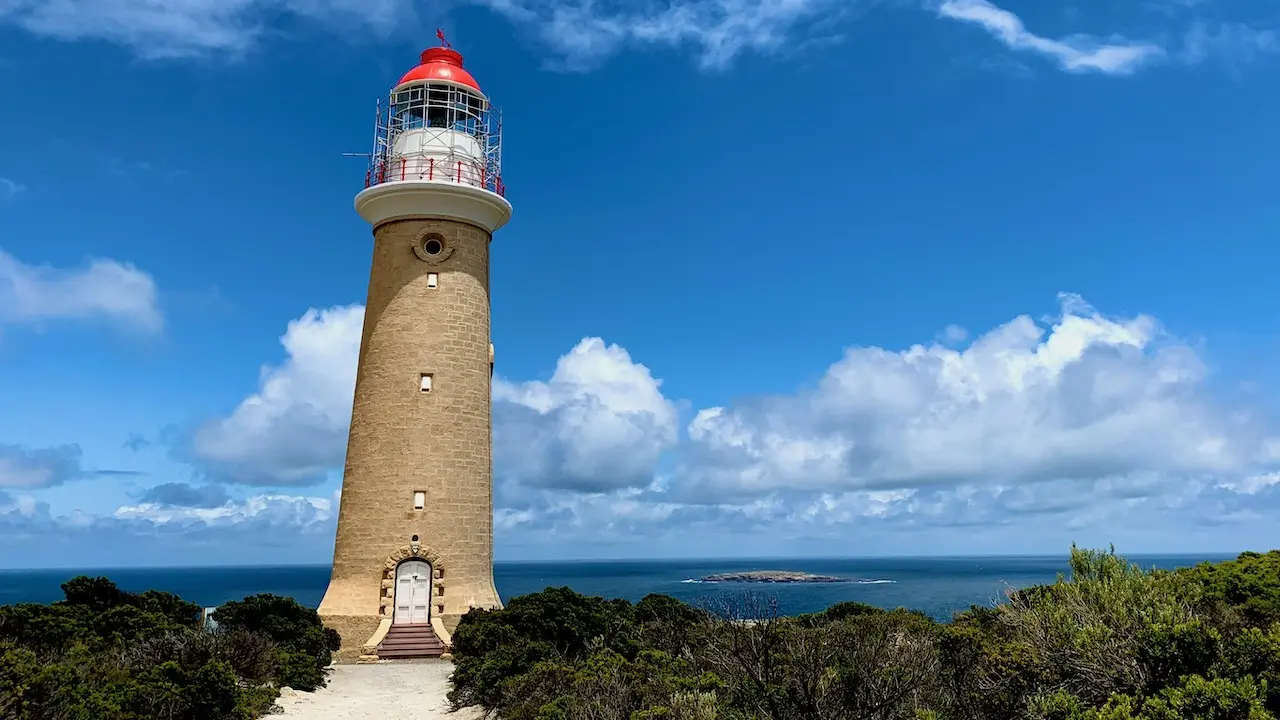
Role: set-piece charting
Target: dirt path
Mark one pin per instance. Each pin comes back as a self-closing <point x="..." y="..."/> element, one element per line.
<point x="405" y="690"/>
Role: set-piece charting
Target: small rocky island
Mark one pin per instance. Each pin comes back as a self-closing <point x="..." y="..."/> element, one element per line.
<point x="771" y="576"/>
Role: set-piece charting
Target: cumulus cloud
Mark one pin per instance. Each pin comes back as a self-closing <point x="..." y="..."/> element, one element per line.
<point x="1067" y="422"/>
<point x="294" y="428"/>
<point x="1077" y="53"/>
<point x="1089" y="397"/>
<point x="104" y="289"/>
<point x="1074" y="424"/>
<point x="599" y="424"/>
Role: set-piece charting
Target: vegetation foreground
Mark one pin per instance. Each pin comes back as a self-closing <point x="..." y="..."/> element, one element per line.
<point x="105" y="654"/>
<point x="1109" y="642"/>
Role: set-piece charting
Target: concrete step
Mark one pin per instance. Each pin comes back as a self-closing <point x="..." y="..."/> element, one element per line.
<point x="410" y="641"/>
<point x="409" y="654"/>
<point x="423" y="638"/>
<point x="415" y="635"/>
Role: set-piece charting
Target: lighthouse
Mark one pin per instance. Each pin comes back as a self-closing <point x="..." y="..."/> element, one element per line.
<point x="414" y="547"/>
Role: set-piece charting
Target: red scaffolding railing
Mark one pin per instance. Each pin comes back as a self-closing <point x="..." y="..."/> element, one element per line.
<point x="415" y="167"/>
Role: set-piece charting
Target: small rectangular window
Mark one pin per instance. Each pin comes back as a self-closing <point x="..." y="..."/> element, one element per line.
<point x="433" y="280"/>
<point x="424" y="384"/>
<point x="419" y="500"/>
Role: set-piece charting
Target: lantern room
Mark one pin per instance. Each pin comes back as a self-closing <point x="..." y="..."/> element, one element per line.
<point x="437" y="126"/>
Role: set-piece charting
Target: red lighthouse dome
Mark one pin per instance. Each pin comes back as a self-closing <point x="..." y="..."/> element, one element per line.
<point x="440" y="63"/>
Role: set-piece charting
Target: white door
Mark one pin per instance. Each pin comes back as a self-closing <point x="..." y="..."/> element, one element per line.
<point x="413" y="593"/>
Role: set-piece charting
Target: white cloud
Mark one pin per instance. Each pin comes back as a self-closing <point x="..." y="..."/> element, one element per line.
<point x="580" y="34"/>
<point x="19" y="506"/>
<point x="1149" y="512"/>
<point x="262" y="529"/>
<point x="1077" y="53"/>
<point x="280" y="510"/>
<point x="1069" y="423"/>
<point x="1252" y="484"/>
<point x="105" y="289"/>
<point x="294" y="428"/>
<point x="599" y="424"/>
<point x="153" y="28"/>
<point x="1092" y="398"/>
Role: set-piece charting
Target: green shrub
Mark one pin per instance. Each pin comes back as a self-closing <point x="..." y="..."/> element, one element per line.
<point x="837" y="612"/>
<point x="19" y="681"/>
<point x="300" y="671"/>
<point x="1248" y="586"/>
<point x="1196" y="698"/>
<point x="306" y="647"/>
<point x="492" y="646"/>
<point x="1109" y="641"/>
<point x="102" y="653"/>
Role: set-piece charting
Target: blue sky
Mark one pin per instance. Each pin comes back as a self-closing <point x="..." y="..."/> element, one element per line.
<point x="785" y="278"/>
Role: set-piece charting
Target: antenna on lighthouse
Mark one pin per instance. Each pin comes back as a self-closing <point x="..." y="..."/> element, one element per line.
<point x="378" y="115"/>
<point x="443" y="42"/>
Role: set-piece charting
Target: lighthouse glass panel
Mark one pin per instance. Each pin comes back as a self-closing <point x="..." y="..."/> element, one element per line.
<point x="440" y="106"/>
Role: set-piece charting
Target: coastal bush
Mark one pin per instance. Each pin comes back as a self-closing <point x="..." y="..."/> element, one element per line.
<point x="306" y="647"/>
<point x="104" y="653"/>
<point x="1108" y="641"/>
<point x="492" y="646"/>
<point x="1247" y="588"/>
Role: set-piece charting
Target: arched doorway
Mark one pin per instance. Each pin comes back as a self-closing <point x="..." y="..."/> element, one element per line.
<point x="413" y="593"/>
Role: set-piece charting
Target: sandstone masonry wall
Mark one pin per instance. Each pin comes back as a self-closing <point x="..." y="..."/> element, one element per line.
<point x="404" y="440"/>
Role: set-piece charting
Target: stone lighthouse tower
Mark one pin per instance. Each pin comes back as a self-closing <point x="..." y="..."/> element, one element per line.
<point x="414" y="548"/>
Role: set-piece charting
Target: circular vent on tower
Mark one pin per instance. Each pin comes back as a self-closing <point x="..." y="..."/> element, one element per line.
<point x="431" y="247"/>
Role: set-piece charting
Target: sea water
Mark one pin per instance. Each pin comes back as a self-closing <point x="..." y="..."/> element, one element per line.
<point x="938" y="586"/>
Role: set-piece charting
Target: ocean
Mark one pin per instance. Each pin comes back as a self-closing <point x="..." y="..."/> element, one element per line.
<point x="938" y="586"/>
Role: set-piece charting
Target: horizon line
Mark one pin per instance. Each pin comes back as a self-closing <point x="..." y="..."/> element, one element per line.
<point x="673" y="560"/>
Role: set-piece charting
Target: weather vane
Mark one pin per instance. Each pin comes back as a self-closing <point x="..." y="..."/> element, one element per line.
<point x="443" y="42"/>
